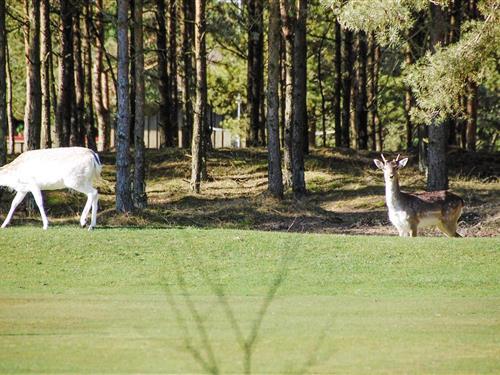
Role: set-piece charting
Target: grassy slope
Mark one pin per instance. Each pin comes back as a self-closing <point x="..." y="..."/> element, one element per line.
<point x="74" y="301"/>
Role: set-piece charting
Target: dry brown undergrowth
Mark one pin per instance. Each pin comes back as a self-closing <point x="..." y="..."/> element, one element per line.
<point x="346" y="194"/>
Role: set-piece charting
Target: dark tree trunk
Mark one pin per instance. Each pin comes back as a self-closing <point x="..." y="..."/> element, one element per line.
<point x="409" y="100"/>
<point x="374" y="67"/>
<point x="321" y="93"/>
<point x="46" y="50"/>
<point x="275" y="178"/>
<point x="3" y="86"/>
<point x="200" y="104"/>
<point x="471" y="124"/>
<point x="77" y="137"/>
<point x="33" y="109"/>
<point x="338" y="85"/>
<point x="90" y="130"/>
<point x="453" y="37"/>
<point x="132" y="56"/>
<point x="123" y="193"/>
<point x="10" y="111"/>
<point x="139" y="195"/>
<point x="255" y="68"/>
<point x="437" y="177"/>
<point x="163" y="83"/>
<point x="66" y="78"/>
<point x="172" y="63"/>
<point x="99" y="93"/>
<point x="361" y="99"/>
<point x="348" y="62"/>
<point x="299" y="128"/>
<point x="187" y="54"/>
<point x="287" y="11"/>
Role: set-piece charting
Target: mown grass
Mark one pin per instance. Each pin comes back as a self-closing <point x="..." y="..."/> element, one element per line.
<point x="140" y="300"/>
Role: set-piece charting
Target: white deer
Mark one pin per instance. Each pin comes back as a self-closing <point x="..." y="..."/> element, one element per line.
<point x="51" y="169"/>
<point x="408" y="212"/>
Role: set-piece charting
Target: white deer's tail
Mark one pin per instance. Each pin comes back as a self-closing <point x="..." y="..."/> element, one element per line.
<point x="97" y="166"/>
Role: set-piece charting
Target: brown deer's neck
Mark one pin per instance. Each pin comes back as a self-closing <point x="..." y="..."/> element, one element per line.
<point x="392" y="192"/>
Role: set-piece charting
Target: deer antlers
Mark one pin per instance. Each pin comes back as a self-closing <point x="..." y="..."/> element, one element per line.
<point x="385" y="161"/>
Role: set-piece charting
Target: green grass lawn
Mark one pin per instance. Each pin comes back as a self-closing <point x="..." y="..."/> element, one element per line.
<point x="185" y="300"/>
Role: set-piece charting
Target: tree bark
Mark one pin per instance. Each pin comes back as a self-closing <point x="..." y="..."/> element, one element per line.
<point x="77" y="137"/>
<point x="172" y="63"/>
<point x="348" y="62"/>
<point x="275" y="178"/>
<point x="200" y="104"/>
<point x="3" y="86"/>
<point x="90" y="130"/>
<point x="33" y="109"/>
<point x="299" y="101"/>
<point x="361" y="99"/>
<point x="102" y="115"/>
<point x="46" y="50"/>
<point x="287" y="11"/>
<point x="471" y="124"/>
<point x="255" y="68"/>
<point x="139" y="194"/>
<point x="66" y="78"/>
<point x="375" y="126"/>
<point x="321" y="94"/>
<point x="437" y="177"/>
<point x="123" y="193"/>
<point x="10" y="111"/>
<point x="187" y="27"/>
<point x="338" y="85"/>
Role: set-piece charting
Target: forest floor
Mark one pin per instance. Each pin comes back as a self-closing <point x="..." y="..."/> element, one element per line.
<point x="345" y="194"/>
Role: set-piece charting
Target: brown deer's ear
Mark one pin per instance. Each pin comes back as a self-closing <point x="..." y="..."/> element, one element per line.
<point x="402" y="163"/>
<point x="378" y="163"/>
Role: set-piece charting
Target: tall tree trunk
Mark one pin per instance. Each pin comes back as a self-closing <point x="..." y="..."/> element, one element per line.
<point x="163" y="82"/>
<point x="3" y="86"/>
<point x="408" y="100"/>
<point x="132" y="56"/>
<point x="139" y="195"/>
<point x="102" y="116"/>
<point x="453" y="37"/>
<point x="172" y="57"/>
<point x="46" y="50"/>
<point x="200" y="104"/>
<point x="187" y="27"/>
<point x="348" y="62"/>
<point x="437" y="177"/>
<point x="471" y="124"/>
<point x="77" y="137"/>
<point x="255" y="68"/>
<point x="374" y="67"/>
<point x="299" y="100"/>
<point x="90" y="130"/>
<point x="361" y="99"/>
<point x="33" y="109"/>
<point x="275" y="178"/>
<point x="10" y="111"/>
<point x="472" y="93"/>
<point x="321" y="93"/>
<point x="287" y="11"/>
<point x="123" y="193"/>
<point x="66" y="81"/>
<point x="338" y="84"/>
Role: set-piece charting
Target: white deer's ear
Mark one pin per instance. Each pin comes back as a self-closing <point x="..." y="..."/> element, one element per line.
<point x="378" y="163"/>
<point x="402" y="162"/>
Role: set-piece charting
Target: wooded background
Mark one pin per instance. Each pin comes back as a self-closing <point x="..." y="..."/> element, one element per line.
<point x="416" y="75"/>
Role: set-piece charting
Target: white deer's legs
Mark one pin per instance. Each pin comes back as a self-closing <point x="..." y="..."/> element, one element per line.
<point x="37" y="194"/>
<point x="92" y="197"/>
<point x="15" y="202"/>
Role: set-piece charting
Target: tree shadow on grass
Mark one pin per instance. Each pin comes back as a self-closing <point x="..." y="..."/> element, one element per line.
<point x="203" y="350"/>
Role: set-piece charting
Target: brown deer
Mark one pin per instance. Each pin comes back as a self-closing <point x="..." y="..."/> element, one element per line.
<point x="408" y="212"/>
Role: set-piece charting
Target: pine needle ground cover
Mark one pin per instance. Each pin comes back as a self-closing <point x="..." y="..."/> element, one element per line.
<point x="189" y="300"/>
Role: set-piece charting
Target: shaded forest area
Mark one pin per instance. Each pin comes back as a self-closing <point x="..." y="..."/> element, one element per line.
<point x="289" y="75"/>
